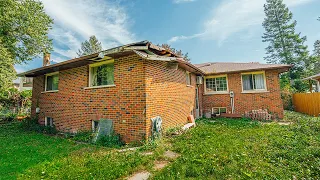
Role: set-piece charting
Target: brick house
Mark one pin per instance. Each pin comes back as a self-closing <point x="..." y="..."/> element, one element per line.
<point x="133" y="83"/>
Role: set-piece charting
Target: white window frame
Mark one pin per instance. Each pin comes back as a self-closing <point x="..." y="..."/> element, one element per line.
<point x="45" y="84"/>
<point x="255" y="90"/>
<point x="188" y="78"/>
<point x="219" y="110"/>
<point x="46" y="123"/>
<point x="90" y="74"/>
<point x="216" y="92"/>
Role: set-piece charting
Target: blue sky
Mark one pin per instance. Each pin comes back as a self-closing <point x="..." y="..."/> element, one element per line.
<point x="210" y="31"/>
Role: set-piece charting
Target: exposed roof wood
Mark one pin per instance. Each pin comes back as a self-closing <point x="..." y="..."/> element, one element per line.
<point x="314" y="77"/>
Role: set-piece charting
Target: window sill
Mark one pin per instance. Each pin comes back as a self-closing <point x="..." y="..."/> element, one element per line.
<point x="50" y="91"/>
<point x="189" y="86"/>
<point x="254" y="92"/>
<point x="97" y="87"/>
<point x="216" y="93"/>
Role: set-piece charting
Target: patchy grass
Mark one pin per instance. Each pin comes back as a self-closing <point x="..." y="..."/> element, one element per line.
<point x="27" y="155"/>
<point x="242" y="149"/>
<point x="20" y="150"/>
<point x="215" y="149"/>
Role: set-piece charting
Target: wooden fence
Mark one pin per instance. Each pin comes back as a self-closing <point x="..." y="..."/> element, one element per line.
<point x="308" y="103"/>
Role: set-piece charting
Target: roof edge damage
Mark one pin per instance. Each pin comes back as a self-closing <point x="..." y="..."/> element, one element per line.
<point x="149" y="51"/>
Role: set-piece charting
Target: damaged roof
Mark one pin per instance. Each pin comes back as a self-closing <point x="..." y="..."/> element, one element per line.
<point x="228" y="67"/>
<point x="317" y="77"/>
<point x="144" y="49"/>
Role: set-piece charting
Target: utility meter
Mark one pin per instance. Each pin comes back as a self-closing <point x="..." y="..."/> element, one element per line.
<point x="231" y="94"/>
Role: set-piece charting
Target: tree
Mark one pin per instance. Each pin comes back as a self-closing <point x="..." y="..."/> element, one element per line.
<point x="90" y="47"/>
<point x="24" y="29"/>
<point x="177" y="52"/>
<point x="23" y="35"/>
<point x="285" y="45"/>
<point x="7" y="72"/>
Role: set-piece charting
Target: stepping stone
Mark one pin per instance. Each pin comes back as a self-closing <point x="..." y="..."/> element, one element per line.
<point x="284" y="123"/>
<point x="160" y="164"/>
<point x="144" y="175"/>
<point x="128" y="149"/>
<point x="171" y="155"/>
<point x="147" y="153"/>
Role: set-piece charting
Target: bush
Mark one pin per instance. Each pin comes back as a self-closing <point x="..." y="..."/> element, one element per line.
<point x="83" y="136"/>
<point x="113" y="141"/>
<point x="31" y="124"/>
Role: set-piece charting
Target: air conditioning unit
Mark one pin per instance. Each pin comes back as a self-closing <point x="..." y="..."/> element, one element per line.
<point x="199" y="80"/>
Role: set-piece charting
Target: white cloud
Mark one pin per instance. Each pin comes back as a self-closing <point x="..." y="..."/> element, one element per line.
<point x="182" y="1"/>
<point x="77" y="20"/>
<point x="233" y="16"/>
<point x="178" y="38"/>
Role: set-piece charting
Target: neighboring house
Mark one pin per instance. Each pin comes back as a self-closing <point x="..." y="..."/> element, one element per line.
<point x="315" y="78"/>
<point x="133" y="83"/>
<point x="23" y="83"/>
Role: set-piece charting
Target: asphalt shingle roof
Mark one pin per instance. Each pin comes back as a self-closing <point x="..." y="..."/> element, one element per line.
<point x="228" y="67"/>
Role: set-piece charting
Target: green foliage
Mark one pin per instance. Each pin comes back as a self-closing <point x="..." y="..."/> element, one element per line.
<point x="285" y="45"/>
<point x="90" y="47"/>
<point x="24" y="29"/>
<point x="83" y="136"/>
<point x="112" y="141"/>
<point x="23" y="36"/>
<point x="242" y="149"/>
<point x="7" y="72"/>
<point x="32" y="124"/>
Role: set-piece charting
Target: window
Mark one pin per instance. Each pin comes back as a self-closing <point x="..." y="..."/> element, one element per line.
<point x="101" y="74"/>
<point x="95" y="125"/>
<point x="253" y="81"/>
<point x="48" y="121"/>
<point x="188" y="75"/>
<point x="219" y="110"/>
<point x="52" y="81"/>
<point x="216" y="84"/>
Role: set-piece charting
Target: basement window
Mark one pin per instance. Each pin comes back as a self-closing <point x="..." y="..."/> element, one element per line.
<point x="48" y="121"/>
<point x="219" y="110"/>
<point x="52" y="81"/>
<point x="95" y="125"/>
<point x="101" y="74"/>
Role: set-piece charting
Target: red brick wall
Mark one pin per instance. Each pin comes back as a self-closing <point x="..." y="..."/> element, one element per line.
<point x="73" y="107"/>
<point x="247" y="102"/>
<point x="168" y="95"/>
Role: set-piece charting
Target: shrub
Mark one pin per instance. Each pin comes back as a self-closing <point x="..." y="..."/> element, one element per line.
<point x="83" y="136"/>
<point x="31" y="124"/>
<point x="112" y="140"/>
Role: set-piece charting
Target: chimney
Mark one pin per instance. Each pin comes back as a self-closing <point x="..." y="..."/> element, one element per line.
<point x="46" y="59"/>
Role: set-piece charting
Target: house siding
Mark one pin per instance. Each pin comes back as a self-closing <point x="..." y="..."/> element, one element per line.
<point x="143" y="89"/>
<point x="73" y="108"/>
<point x="168" y="95"/>
<point x="270" y="100"/>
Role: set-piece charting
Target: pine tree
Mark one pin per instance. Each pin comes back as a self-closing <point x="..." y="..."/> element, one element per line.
<point x="285" y="45"/>
<point x="90" y="47"/>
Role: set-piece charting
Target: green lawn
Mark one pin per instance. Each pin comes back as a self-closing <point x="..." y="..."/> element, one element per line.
<point x="231" y="149"/>
<point x="215" y="149"/>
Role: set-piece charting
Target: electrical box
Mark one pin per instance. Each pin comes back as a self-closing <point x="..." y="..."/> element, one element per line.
<point x="231" y="94"/>
<point x="199" y="80"/>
